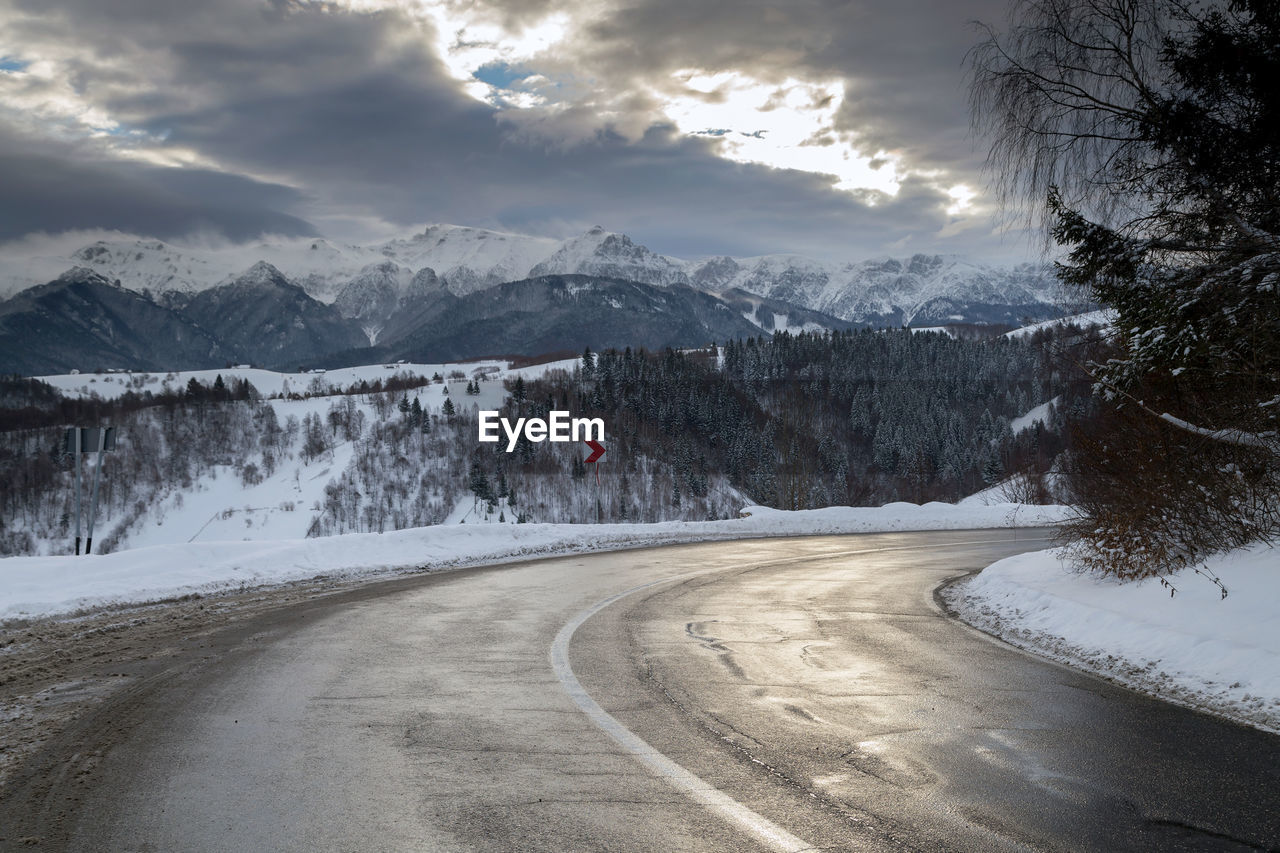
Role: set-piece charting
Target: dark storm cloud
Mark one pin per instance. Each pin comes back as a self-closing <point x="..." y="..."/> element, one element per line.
<point x="52" y="188"/>
<point x="901" y="61"/>
<point x="356" y="109"/>
<point x="413" y="153"/>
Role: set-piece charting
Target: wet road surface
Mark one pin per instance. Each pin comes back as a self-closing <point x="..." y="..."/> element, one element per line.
<point x="759" y="695"/>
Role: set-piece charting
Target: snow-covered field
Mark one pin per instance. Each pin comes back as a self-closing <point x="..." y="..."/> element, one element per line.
<point x="1195" y="647"/>
<point x="271" y="383"/>
<point x="42" y="586"/>
<point x="1104" y="317"/>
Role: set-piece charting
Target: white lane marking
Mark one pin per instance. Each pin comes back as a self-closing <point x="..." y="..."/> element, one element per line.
<point x="754" y="823"/>
<point x="713" y="798"/>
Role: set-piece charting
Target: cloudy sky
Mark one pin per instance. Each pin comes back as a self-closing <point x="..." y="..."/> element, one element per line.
<point x="835" y="128"/>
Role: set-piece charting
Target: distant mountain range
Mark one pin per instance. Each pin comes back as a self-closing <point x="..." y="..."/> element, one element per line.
<point x="452" y="292"/>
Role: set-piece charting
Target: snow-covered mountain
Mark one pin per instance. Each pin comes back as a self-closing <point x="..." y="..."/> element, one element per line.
<point x="920" y="290"/>
<point x="565" y="312"/>
<point x="82" y="321"/>
<point x="464" y="259"/>
<point x="305" y="301"/>
<point x="609" y="255"/>
<point x="377" y="292"/>
<point x="368" y="283"/>
<point x="470" y="259"/>
<point x="267" y="319"/>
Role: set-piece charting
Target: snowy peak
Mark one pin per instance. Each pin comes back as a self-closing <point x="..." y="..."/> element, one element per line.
<point x="791" y="278"/>
<point x="377" y="292"/>
<point x="261" y="274"/>
<point x="152" y="265"/>
<point x="469" y="259"/>
<point x="267" y="319"/>
<point x="933" y="289"/>
<point x="424" y="281"/>
<point x="714" y="274"/>
<point x="611" y="255"/>
<point x="83" y="275"/>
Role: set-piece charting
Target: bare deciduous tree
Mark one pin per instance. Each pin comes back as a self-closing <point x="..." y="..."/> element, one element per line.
<point x="1145" y="135"/>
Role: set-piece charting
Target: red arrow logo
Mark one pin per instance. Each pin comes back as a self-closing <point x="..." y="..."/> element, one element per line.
<point x="597" y="450"/>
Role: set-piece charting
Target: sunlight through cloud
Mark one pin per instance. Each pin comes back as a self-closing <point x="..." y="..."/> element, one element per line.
<point x="790" y="125"/>
<point x="962" y="199"/>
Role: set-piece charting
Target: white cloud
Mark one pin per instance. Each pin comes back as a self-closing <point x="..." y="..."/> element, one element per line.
<point x="786" y="125"/>
<point x="962" y="199"/>
<point x="722" y="127"/>
<point x="790" y="125"/>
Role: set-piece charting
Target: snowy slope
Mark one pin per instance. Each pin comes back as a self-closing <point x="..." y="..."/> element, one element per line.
<point x="1104" y="318"/>
<point x="923" y="288"/>
<point x="270" y="383"/>
<point x="220" y="504"/>
<point x="1039" y="414"/>
<point x="219" y="507"/>
<point x="470" y="259"/>
<point x="1194" y="647"/>
<point x="609" y="255"/>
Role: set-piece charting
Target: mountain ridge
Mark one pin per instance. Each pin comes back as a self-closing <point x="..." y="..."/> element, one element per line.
<point x="465" y="260"/>
<point x="446" y="284"/>
<point x="83" y="321"/>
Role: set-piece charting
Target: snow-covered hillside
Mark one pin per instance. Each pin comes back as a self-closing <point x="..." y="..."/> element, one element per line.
<point x="271" y="383"/>
<point x="301" y="447"/>
<point x="932" y="289"/>
<point x="1195" y="647"/>
<point x="603" y="253"/>
<point x="1104" y="318"/>
<point x="240" y="451"/>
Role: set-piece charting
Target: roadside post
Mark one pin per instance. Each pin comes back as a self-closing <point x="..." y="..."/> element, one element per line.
<point x="71" y="444"/>
<point x="81" y="440"/>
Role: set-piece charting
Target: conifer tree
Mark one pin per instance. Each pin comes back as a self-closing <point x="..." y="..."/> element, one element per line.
<point x="1149" y="133"/>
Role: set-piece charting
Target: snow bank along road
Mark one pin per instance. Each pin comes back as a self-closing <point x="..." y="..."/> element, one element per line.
<point x="768" y="694"/>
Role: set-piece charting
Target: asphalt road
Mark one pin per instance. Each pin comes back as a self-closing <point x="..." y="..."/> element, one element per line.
<point x="762" y="695"/>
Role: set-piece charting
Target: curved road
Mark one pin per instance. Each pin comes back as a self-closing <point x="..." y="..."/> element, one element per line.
<point x="762" y="695"/>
